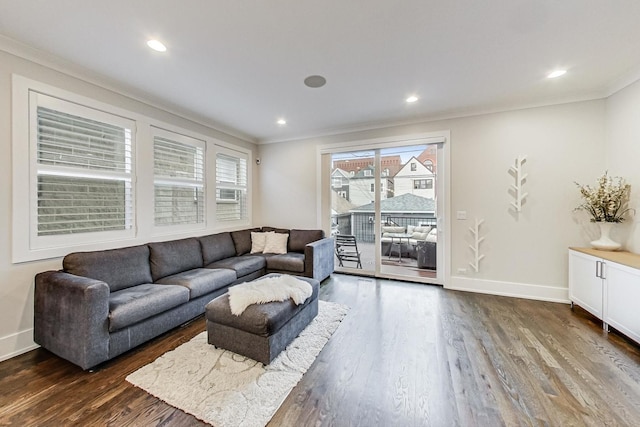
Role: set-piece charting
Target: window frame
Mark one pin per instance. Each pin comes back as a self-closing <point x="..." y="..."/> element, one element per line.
<point x="235" y="152"/>
<point x="26" y="244"/>
<point x="186" y="140"/>
<point x="142" y="181"/>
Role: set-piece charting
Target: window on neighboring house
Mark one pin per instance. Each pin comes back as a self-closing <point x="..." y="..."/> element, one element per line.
<point x="342" y="194"/>
<point x="83" y="173"/>
<point x="231" y="185"/>
<point x="414" y="167"/>
<point x="429" y="164"/>
<point x="178" y="177"/>
<point x="422" y="184"/>
<point x="367" y="172"/>
<point x="372" y="188"/>
<point x="336" y="182"/>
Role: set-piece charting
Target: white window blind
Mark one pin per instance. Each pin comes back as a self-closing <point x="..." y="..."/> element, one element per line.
<point x="179" y="194"/>
<point x="231" y="187"/>
<point x="84" y="170"/>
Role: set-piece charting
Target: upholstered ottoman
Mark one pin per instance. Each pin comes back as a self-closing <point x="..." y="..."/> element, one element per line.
<point x="262" y="331"/>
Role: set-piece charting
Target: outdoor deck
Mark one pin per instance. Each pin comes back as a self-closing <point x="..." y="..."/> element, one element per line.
<point x="390" y="264"/>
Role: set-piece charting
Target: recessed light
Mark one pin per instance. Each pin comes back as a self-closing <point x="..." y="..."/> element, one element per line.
<point x="281" y="122"/>
<point x="157" y="45"/>
<point x="411" y="99"/>
<point x="556" y="73"/>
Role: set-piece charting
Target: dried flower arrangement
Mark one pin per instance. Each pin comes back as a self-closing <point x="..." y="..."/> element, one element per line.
<point x="607" y="202"/>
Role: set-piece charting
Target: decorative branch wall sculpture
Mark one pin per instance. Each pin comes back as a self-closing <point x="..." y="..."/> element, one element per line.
<point x="520" y="178"/>
<point x="475" y="248"/>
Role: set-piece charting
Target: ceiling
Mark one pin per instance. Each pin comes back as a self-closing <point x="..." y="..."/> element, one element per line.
<point x="239" y="65"/>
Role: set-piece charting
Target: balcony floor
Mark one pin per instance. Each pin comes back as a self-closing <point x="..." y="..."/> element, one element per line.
<point x="390" y="265"/>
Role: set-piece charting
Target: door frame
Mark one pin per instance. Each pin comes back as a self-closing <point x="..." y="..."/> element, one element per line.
<point x="443" y="187"/>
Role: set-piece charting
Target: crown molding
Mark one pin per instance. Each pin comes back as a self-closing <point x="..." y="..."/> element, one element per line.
<point x="53" y="62"/>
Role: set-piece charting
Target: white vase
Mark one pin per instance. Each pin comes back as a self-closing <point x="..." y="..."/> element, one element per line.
<point x="604" y="243"/>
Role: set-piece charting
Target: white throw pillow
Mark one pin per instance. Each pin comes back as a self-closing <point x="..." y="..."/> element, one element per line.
<point x="258" y="240"/>
<point x="433" y="235"/>
<point x="276" y="243"/>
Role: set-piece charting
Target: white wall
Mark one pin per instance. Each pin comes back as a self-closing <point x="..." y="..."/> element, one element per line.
<point x="525" y="253"/>
<point x="17" y="280"/>
<point x="623" y="155"/>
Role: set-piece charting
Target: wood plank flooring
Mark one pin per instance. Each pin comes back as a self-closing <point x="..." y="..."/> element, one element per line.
<point x="405" y="355"/>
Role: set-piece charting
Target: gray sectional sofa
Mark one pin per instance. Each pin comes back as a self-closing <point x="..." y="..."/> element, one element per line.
<point x="103" y="303"/>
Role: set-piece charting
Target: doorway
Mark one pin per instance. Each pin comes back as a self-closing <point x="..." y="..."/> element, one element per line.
<point x="390" y="201"/>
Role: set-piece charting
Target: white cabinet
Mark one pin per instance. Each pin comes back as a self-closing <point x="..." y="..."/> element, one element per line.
<point x="585" y="282"/>
<point x="607" y="284"/>
<point x="622" y="294"/>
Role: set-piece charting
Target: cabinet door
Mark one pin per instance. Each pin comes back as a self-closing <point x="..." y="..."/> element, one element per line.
<point x="622" y="294"/>
<point x="585" y="288"/>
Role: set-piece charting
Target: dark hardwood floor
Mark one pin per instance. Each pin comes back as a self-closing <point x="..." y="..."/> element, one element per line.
<point x="405" y="355"/>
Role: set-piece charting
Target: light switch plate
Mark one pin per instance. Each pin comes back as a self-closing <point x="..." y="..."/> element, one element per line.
<point x="461" y="215"/>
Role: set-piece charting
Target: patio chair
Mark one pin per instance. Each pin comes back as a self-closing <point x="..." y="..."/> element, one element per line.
<point x="347" y="250"/>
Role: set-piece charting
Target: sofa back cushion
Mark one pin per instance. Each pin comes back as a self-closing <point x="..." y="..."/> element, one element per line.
<point x="119" y="268"/>
<point x="242" y="240"/>
<point x="216" y="247"/>
<point x="298" y="239"/>
<point x="275" y="230"/>
<point x="174" y="256"/>
<point x="392" y="229"/>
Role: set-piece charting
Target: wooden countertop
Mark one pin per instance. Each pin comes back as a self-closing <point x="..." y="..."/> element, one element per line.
<point x="621" y="257"/>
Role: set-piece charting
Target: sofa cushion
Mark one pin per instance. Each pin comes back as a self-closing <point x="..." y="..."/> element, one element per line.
<point x="131" y="305"/>
<point x="242" y="265"/>
<point x="392" y="229"/>
<point x="276" y="243"/>
<point x="292" y="261"/>
<point x="119" y="268"/>
<point x="201" y="281"/>
<point x="242" y="240"/>
<point x="174" y="256"/>
<point x="276" y="230"/>
<point x="423" y="228"/>
<point x="216" y="247"/>
<point x="298" y="239"/>
<point x="258" y="240"/>
<point x="419" y="236"/>
<point x="432" y="236"/>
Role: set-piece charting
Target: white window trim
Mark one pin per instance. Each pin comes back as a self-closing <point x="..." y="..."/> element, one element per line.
<point x="36" y="100"/>
<point x="142" y="180"/>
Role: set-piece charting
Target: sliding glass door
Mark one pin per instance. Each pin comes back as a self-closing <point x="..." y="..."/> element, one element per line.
<point x="387" y="211"/>
<point x="353" y="185"/>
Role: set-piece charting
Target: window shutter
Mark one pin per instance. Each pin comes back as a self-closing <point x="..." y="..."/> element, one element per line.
<point x="179" y="181"/>
<point x="84" y="170"/>
<point x="231" y="187"/>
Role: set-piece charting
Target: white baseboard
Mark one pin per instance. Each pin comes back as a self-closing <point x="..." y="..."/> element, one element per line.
<point x="509" y="289"/>
<point x="15" y="344"/>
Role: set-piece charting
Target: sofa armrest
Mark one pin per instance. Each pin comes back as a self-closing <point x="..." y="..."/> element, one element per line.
<point x="71" y="317"/>
<point x="319" y="259"/>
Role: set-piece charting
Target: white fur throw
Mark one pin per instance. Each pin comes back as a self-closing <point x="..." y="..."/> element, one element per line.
<point x="269" y="289"/>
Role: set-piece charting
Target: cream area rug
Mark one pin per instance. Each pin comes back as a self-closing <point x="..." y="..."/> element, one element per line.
<point x="225" y="389"/>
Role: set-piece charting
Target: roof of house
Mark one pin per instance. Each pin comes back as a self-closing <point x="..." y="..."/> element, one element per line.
<point x="404" y="203"/>
<point x="340" y="205"/>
